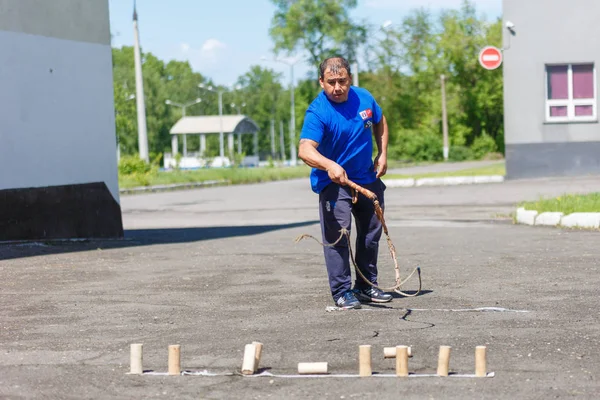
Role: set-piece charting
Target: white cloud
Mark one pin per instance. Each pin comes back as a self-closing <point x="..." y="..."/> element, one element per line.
<point x="210" y="52"/>
<point x="206" y="56"/>
<point x="209" y="58"/>
<point x="211" y="47"/>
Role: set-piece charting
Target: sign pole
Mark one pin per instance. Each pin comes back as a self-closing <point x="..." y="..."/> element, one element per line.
<point x="444" y="119"/>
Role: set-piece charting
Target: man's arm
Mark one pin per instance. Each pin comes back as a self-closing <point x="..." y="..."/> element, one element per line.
<point x="308" y="153"/>
<point x="380" y="131"/>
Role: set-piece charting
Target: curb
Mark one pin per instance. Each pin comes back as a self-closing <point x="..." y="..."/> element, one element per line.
<point x="409" y="182"/>
<point x="443" y="181"/>
<point x="574" y="220"/>
<point x="174" y="186"/>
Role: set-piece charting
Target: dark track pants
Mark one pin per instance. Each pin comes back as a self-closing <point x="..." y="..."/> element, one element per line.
<point x="336" y="210"/>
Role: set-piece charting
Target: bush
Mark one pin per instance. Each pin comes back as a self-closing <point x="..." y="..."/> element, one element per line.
<point x="238" y="159"/>
<point x="483" y="145"/>
<point x="156" y="159"/>
<point x="413" y="145"/>
<point x="129" y="165"/>
<point x="493" y="156"/>
<point x="460" y="153"/>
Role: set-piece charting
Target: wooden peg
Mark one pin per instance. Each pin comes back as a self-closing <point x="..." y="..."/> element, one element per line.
<point x="175" y="359"/>
<point x="258" y="354"/>
<point x="401" y="360"/>
<point x="480" y="362"/>
<point x="135" y="359"/>
<point x="248" y="365"/>
<point x="364" y="360"/>
<point x="444" y="361"/>
<point x="390" y="352"/>
<point x="312" y="368"/>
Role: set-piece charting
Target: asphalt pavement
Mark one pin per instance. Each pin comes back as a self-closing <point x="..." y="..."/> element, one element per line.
<point x="216" y="268"/>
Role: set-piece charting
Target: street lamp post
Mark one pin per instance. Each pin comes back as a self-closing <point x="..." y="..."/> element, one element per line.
<point x="130" y="97"/>
<point x="139" y="85"/>
<point x="238" y="107"/>
<point x="220" y="95"/>
<point x="291" y="63"/>
<point x="239" y="111"/>
<point x="183" y="107"/>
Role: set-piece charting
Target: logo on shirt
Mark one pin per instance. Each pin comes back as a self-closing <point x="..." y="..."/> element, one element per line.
<point x="368" y="113"/>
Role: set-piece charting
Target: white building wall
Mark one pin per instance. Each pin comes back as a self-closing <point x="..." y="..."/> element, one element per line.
<point x="57" y="112"/>
<point x="58" y="164"/>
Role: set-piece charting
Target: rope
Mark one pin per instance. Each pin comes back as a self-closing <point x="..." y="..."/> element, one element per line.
<point x="345" y="233"/>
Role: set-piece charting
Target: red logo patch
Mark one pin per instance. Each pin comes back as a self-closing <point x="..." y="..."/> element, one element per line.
<point x="368" y="113"/>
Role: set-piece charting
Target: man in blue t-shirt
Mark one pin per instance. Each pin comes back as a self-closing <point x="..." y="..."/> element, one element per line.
<point x="336" y="141"/>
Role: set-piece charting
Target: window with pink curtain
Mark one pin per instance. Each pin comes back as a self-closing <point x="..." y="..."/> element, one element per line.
<point x="571" y="92"/>
<point x="581" y="111"/>
<point x="558" y="111"/>
<point x="558" y="84"/>
<point x="583" y="81"/>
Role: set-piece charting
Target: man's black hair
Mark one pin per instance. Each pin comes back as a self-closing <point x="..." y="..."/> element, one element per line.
<point x="335" y="64"/>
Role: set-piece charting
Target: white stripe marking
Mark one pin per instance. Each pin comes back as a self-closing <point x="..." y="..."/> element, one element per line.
<point x="490" y="57"/>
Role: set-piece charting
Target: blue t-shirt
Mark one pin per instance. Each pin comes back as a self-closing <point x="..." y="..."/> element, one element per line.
<point x="343" y="131"/>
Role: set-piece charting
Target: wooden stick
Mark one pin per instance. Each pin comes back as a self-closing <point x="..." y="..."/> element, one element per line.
<point x="480" y="362"/>
<point x="390" y="352"/>
<point x="248" y="365"/>
<point x="175" y="359"/>
<point x="364" y="360"/>
<point x="401" y="360"/>
<point x="444" y="361"/>
<point x="135" y="359"/>
<point x="312" y="368"/>
<point x="258" y="354"/>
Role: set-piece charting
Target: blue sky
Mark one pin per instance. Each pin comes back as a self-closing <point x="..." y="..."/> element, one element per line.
<point x="222" y="39"/>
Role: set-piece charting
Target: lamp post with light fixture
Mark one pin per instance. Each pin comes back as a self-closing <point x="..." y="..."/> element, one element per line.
<point x="219" y="93"/>
<point x="291" y="63"/>
<point x="174" y="138"/>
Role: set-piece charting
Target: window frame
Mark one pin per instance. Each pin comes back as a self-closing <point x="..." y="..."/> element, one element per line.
<point x="570" y="103"/>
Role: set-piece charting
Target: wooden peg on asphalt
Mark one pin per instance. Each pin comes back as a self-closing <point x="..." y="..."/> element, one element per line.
<point x="444" y="361"/>
<point x="401" y="360"/>
<point x="390" y="352"/>
<point x="174" y="359"/>
<point x="312" y="368"/>
<point x="480" y="362"/>
<point x="257" y="355"/>
<point x="135" y="359"/>
<point x="364" y="360"/>
<point x="248" y="365"/>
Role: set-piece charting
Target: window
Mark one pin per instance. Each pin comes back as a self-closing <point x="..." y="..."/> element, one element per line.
<point x="570" y="92"/>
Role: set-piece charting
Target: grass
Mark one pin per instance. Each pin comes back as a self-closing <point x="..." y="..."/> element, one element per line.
<point x="567" y="203"/>
<point x="495" y="169"/>
<point x="235" y="176"/>
<point x="231" y="175"/>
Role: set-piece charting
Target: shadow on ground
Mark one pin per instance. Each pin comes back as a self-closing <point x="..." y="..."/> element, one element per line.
<point x="138" y="237"/>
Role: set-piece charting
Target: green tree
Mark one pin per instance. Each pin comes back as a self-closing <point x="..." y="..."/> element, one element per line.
<point x="265" y="100"/>
<point x="174" y="81"/>
<point x="319" y="27"/>
<point x="479" y="91"/>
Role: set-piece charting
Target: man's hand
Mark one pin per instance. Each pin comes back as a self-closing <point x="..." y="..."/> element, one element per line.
<point x="380" y="165"/>
<point x="337" y="174"/>
<point x="310" y="155"/>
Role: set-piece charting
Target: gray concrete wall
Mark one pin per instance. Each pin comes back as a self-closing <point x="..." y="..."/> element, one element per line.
<point x="79" y="20"/>
<point x="546" y="32"/>
<point x="534" y="160"/>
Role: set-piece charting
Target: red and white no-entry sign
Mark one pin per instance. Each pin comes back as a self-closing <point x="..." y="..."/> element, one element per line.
<point x="490" y="57"/>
